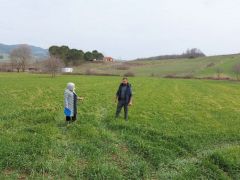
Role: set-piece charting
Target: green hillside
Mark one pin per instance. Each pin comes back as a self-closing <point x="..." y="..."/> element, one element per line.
<point x="199" y="67"/>
<point x="177" y="129"/>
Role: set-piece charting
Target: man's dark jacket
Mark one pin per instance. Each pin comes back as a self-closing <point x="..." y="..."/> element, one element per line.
<point x="128" y="93"/>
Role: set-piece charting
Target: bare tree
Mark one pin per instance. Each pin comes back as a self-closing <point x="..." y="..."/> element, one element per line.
<point x="2" y="67"/>
<point x="219" y="72"/>
<point x="53" y="65"/>
<point x="5" y="67"/>
<point x="15" y="63"/>
<point x="236" y="70"/>
<point x="20" y="57"/>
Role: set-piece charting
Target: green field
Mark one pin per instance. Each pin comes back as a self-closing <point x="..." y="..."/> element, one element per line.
<point x="199" y="67"/>
<point x="177" y="129"/>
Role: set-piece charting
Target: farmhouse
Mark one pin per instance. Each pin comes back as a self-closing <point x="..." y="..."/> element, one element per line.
<point x="67" y="70"/>
<point x="32" y="69"/>
<point x="108" y="59"/>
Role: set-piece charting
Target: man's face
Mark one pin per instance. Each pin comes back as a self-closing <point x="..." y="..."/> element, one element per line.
<point x="124" y="81"/>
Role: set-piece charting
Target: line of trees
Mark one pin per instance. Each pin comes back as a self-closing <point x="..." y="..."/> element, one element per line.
<point x="21" y="58"/>
<point x="74" y="56"/>
<point x="193" y="53"/>
<point x="190" y="53"/>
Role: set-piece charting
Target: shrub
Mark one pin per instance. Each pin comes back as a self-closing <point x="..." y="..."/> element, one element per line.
<point x="129" y="74"/>
<point x="95" y="73"/>
<point x="90" y="72"/>
<point x="236" y="70"/>
<point x="219" y="72"/>
<point x="188" y="76"/>
<point x="211" y="64"/>
<point x="170" y="76"/>
<point x="122" y="67"/>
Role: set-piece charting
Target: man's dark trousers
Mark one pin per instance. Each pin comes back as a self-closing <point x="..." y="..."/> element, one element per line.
<point x="121" y="104"/>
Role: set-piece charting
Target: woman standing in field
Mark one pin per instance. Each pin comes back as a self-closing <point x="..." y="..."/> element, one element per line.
<point x="70" y="103"/>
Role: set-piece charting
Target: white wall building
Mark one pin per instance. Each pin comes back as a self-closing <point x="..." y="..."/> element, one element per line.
<point x="67" y="70"/>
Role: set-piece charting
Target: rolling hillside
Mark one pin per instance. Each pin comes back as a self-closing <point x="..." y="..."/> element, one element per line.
<point x="198" y="67"/>
<point x="36" y="51"/>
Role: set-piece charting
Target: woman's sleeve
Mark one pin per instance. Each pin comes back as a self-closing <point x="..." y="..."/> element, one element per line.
<point x="66" y="99"/>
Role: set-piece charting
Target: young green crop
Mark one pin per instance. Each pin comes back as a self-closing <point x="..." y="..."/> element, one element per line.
<point x="177" y="129"/>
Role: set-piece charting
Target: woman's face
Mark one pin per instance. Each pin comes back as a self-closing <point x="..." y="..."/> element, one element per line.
<point x="71" y="87"/>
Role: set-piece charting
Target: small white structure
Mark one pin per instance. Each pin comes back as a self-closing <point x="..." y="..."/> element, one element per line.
<point x="67" y="70"/>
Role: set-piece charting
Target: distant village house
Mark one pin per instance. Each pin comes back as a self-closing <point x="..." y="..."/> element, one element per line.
<point x="67" y="70"/>
<point x="108" y="59"/>
<point x="33" y="69"/>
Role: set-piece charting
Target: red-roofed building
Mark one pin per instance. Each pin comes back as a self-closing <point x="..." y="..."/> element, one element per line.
<point x="108" y="59"/>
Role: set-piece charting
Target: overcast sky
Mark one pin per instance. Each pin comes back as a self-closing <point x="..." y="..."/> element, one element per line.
<point x="124" y="29"/>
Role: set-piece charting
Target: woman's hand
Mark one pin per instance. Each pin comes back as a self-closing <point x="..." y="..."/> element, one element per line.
<point x="80" y="98"/>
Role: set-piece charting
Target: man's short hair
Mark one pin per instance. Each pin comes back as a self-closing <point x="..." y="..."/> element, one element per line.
<point x="124" y="78"/>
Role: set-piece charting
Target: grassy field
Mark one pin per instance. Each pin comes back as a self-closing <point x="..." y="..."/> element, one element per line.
<point x="177" y="129"/>
<point x="199" y="67"/>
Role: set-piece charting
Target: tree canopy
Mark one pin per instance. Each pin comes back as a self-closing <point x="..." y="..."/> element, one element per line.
<point x="74" y="56"/>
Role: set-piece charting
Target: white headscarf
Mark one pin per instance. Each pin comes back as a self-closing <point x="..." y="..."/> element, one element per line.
<point x="70" y="86"/>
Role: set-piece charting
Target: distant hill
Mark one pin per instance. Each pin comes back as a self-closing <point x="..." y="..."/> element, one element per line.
<point x="190" y="53"/>
<point x="37" y="52"/>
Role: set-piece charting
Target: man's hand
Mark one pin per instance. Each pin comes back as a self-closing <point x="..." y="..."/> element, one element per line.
<point x="130" y="104"/>
<point x="80" y="98"/>
<point x="116" y="99"/>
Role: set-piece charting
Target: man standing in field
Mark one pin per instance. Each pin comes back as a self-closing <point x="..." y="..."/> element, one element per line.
<point x="124" y="98"/>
